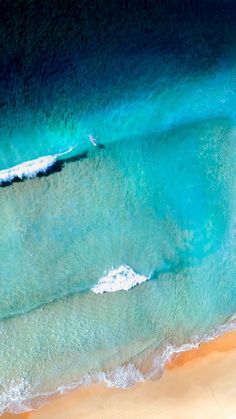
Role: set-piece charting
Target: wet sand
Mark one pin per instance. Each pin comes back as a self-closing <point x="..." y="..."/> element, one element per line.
<point x="197" y="384"/>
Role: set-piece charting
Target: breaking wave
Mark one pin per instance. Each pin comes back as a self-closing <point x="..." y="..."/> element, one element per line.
<point x="121" y="278"/>
<point x="21" y="396"/>
<point x="31" y="168"/>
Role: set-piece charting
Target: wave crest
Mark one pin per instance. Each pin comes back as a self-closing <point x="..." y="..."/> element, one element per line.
<point x="121" y="278"/>
<point x="31" y="168"/>
<point x="20" y="397"/>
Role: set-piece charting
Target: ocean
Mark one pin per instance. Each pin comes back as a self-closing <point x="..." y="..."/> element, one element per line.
<point x="118" y="254"/>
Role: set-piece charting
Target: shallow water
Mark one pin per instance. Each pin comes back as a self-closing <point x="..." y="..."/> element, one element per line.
<point x="157" y="199"/>
<point x="163" y="206"/>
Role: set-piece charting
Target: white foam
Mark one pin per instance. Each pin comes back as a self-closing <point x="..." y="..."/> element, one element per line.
<point x="22" y="396"/>
<point x="30" y="168"/>
<point x="122" y="278"/>
<point x="15" y="397"/>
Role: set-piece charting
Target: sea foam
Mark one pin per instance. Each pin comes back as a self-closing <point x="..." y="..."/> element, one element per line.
<point x="117" y="279"/>
<point x="22" y="396"/>
<point x="31" y="168"/>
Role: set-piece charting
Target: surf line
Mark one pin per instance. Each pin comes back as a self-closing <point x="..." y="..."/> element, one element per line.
<point x="42" y="166"/>
<point x="31" y="168"/>
<point x="118" y="279"/>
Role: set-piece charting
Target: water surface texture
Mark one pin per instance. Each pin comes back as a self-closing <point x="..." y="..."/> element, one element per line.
<point x="116" y="255"/>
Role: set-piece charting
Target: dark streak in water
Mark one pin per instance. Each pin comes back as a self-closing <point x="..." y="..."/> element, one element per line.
<point x="56" y="167"/>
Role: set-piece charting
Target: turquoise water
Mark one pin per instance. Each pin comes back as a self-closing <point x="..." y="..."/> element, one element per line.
<point x="162" y="205"/>
<point x="170" y="101"/>
<point x="159" y="197"/>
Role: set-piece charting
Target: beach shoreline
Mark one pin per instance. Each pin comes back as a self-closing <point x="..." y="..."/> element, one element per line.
<point x="211" y="366"/>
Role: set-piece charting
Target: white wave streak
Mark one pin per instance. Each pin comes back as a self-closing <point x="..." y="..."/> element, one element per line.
<point x="22" y="396"/>
<point x="122" y="278"/>
<point x="30" y="168"/>
<point x="15" y="397"/>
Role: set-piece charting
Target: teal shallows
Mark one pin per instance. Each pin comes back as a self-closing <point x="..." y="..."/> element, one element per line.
<point x="157" y="203"/>
<point x="157" y="87"/>
<point x="88" y="333"/>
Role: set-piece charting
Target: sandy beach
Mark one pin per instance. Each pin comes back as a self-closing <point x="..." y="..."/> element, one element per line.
<point x="197" y="384"/>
